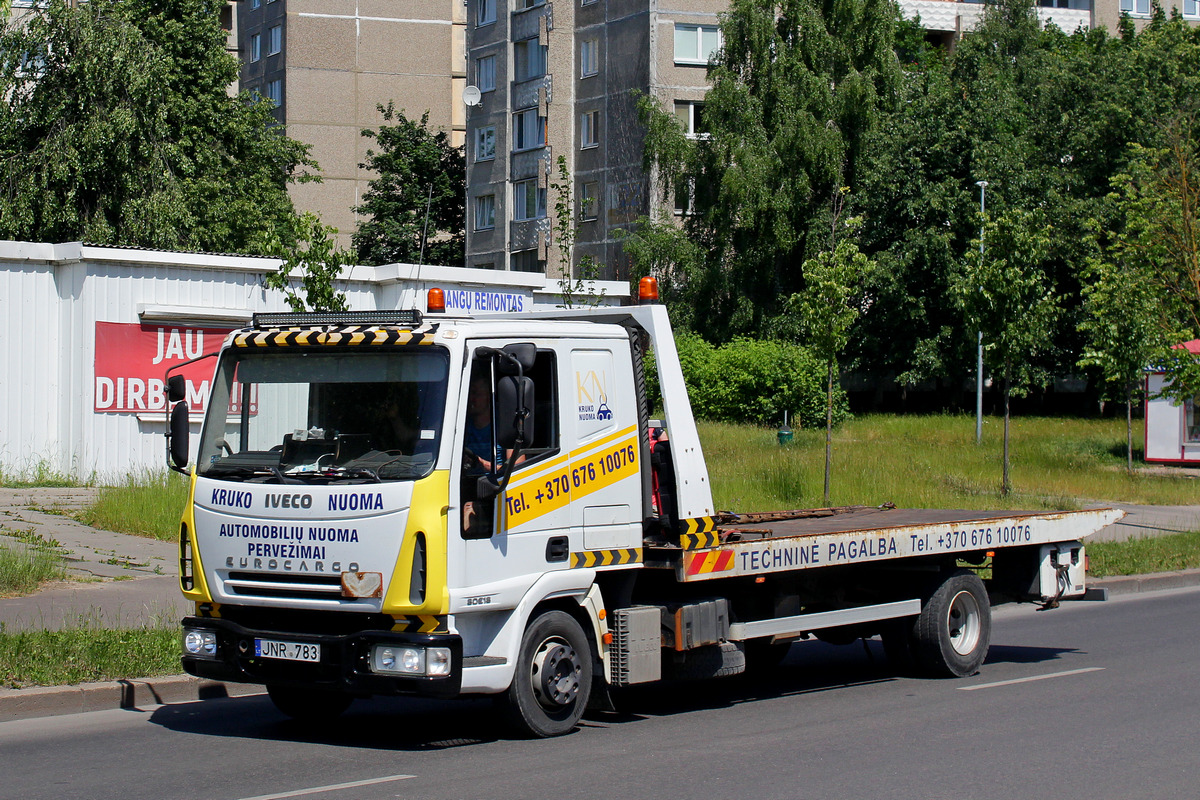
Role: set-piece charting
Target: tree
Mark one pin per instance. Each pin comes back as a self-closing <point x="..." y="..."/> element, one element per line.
<point x="796" y="89"/>
<point x="1158" y="199"/>
<point x="1124" y="332"/>
<point x="661" y="249"/>
<point x="315" y="258"/>
<point x="829" y="305"/>
<point x="416" y="204"/>
<point x="118" y="130"/>
<point x="1006" y="294"/>
<point x="575" y="284"/>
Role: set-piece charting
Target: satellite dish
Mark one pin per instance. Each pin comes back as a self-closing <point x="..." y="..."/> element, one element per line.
<point x="471" y="95"/>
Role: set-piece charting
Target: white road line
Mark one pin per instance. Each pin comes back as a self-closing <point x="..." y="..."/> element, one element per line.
<point x="1030" y="679"/>
<point x="331" y="788"/>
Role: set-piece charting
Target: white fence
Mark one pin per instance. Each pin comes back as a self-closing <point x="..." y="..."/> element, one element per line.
<point x="67" y="406"/>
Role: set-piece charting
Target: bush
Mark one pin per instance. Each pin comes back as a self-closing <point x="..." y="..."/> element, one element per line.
<point x="752" y="380"/>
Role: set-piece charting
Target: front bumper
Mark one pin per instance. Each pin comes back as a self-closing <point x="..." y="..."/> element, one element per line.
<point x="345" y="664"/>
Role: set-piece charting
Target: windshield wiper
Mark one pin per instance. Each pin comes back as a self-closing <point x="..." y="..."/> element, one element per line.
<point x="355" y="472"/>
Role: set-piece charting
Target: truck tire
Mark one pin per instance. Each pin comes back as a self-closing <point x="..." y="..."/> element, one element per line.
<point x="309" y="705"/>
<point x="553" y="681"/>
<point x="954" y="629"/>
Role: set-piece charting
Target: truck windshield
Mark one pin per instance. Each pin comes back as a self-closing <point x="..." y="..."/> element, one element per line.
<point x="324" y="416"/>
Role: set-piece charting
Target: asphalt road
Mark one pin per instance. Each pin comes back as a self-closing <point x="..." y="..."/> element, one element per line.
<point x="1095" y="700"/>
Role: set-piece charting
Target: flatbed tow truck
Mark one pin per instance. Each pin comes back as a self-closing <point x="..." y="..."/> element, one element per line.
<point x="410" y="502"/>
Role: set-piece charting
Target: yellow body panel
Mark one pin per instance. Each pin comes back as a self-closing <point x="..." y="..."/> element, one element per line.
<point x="428" y="515"/>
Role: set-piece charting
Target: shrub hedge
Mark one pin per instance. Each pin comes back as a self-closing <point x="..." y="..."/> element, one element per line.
<point x="752" y="380"/>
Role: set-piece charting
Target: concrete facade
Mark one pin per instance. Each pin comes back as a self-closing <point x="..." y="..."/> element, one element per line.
<point x="329" y="65"/>
<point x="577" y="106"/>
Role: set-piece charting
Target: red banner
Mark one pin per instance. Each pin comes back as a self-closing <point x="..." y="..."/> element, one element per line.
<point x="131" y="360"/>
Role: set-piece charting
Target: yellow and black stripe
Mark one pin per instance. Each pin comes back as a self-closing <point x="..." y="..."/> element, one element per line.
<point x="421" y="623"/>
<point x="349" y="335"/>
<point x="606" y="558"/>
<point x="699" y="533"/>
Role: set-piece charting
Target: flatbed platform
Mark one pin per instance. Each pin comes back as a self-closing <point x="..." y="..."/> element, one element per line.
<point x="755" y="544"/>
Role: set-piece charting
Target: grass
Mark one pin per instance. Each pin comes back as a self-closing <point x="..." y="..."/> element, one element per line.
<point x="23" y="569"/>
<point x="933" y="462"/>
<point x="147" y="504"/>
<point x="1142" y="556"/>
<point x="53" y="658"/>
<point x="36" y="473"/>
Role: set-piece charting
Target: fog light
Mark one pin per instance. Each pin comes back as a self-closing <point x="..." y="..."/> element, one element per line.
<point x="438" y="661"/>
<point x="403" y="660"/>
<point x="200" y="643"/>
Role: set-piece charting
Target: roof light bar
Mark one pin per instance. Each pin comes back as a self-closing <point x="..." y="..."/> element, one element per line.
<point x="408" y="318"/>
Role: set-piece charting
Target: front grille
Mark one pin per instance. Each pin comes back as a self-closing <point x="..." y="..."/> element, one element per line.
<point x="293" y="587"/>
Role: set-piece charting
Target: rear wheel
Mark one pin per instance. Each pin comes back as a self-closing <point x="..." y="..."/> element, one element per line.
<point x="309" y="705"/>
<point x="955" y="627"/>
<point x="550" y="689"/>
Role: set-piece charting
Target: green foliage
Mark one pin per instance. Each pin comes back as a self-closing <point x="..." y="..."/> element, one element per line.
<point x="664" y="251"/>
<point x="23" y="569"/>
<point x="796" y="89"/>
<point x="144" y="504"/>
<point x="754" y="381"/>
<point x="416" y="205"/>
<point x="575" y="285"/>
<point x="317" y="260"/>
<point x="118" y="130"/>
<point x="1150" y="554"/>
<point x="87" y="653"/>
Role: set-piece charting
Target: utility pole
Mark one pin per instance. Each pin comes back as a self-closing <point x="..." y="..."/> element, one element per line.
<point x="979" y="355"/>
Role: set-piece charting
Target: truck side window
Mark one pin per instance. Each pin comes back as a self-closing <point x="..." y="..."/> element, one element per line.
<point x="482" y="456"/>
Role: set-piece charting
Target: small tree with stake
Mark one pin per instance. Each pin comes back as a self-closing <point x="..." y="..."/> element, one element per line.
<point x="1006" y="294"/>
<point x="827" y="307"/>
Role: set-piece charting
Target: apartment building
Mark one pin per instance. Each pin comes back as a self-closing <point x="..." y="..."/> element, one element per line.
<point x="557" y="81"/>
<point x="327" y="66"/>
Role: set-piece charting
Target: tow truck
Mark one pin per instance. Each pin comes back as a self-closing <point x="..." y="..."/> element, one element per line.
<point x="342" y="538"/>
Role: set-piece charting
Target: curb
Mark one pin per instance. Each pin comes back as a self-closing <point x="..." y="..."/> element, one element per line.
<point x="53" y="701"/>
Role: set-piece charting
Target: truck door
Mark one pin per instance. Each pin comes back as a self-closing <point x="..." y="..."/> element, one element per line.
<point x="522" y="533"/>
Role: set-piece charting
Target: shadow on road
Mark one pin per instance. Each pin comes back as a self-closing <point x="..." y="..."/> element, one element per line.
<point x="1010" y="654"/>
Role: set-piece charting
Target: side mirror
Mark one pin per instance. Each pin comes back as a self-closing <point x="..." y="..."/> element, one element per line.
<point x="179" y="434"/>
<point x="524" y="353"/>
<point x="176" y="388"/>
<point x="514" y="411"/>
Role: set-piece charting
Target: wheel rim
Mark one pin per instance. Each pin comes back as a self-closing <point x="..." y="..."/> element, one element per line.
<point x="964" y="622"/>
<point x="555" y="674"/>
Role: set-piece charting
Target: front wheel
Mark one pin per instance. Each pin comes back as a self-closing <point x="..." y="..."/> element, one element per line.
<point x="553" y="681"/>
<point x="955" y="627"/>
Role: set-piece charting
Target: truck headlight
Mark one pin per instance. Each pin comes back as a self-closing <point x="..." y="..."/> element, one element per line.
<point x="200" y="643"/>
<point x="398" y="659"/>
<point x="438" y="661"/>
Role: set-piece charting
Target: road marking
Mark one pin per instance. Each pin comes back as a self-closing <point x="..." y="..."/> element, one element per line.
<point x="1030" y="679"/>
<point x="331" y="788"/>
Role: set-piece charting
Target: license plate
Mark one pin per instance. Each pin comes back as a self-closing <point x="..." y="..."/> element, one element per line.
<point x="287" y="651"/>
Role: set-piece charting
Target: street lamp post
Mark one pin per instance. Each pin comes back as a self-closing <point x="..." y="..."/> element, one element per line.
<point x="979" y="354"/>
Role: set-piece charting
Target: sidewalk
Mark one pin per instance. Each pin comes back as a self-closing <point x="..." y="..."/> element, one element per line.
<point x="129" y="581"/>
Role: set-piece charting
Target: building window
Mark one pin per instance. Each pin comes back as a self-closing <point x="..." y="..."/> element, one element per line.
<point x="691" y="117"/>
<point x="255" y="47"/>
<point x="529" y="59"/>
<point x="526" y="261"/>
<point x="485" y="212"/>
<point x="589" y="136"/>
<point x="485" y="73"/>
<point x="1138" y="8"/>
<point x="589" y="58"/>
<point x="275" y="91"/>
<point x="274" y="39"/>
<point x="586" y="2"/>
<point x="529" y="130"/>
<point x="521" y="5"/>
<point x="255" y="3"/>
<point x="1191" y="8"/>
<point x="529" y="202"/>
<point x="485" y="12"/>
<point x="589" y="201"/>
<point x="697" y="44"/>
<point x="485" y="143"/>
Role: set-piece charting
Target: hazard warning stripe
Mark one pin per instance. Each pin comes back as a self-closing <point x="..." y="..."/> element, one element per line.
<point x="421" y="623"/>
<point x="712" y="561"/>
<point x="698" y="533"/>
<point x="353" y="335"/>
<point x="606" y="558"/>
